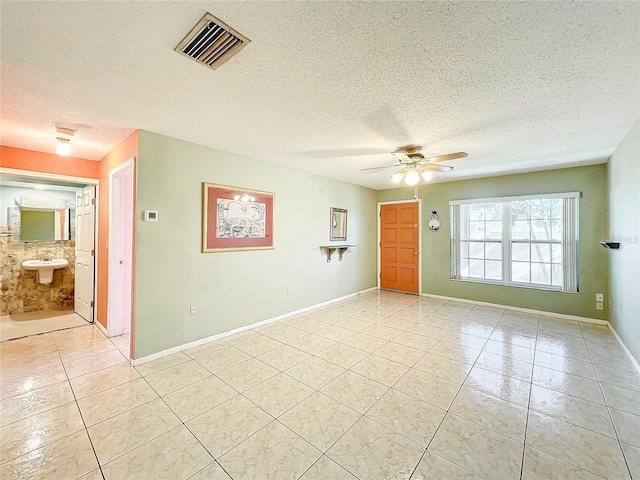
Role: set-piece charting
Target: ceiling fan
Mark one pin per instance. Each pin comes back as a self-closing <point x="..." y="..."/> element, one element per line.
<point x="414" y="165"/>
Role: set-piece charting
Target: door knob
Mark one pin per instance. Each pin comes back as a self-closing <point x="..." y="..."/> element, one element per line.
<point x="121" y="262"/>
<point x="415" y="253"/>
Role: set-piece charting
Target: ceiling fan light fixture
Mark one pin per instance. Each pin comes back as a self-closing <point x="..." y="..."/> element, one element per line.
<point x="412" y="177"/>
<point x="396" y="178"/>
<point x="427" y="176"/>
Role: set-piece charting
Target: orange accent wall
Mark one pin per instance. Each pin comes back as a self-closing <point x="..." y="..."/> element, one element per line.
<point x="128" y="148"/>
<point x="21" y="159"/>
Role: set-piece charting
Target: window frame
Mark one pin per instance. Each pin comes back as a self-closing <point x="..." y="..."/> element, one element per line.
<point x="568" y="243"/>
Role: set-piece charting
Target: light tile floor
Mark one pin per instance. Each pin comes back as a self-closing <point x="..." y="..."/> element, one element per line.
<point x="20" y="325"/>
<point x="381" y="386"/>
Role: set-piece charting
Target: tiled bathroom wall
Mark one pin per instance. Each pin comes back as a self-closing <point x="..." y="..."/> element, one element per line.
<point x="19" y="289"/>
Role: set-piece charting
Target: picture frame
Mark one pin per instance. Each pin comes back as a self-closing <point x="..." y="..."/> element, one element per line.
<point x="235" y="218"/>
<point x="338" y="224"/>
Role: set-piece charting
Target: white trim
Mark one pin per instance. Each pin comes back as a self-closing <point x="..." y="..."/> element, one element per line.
<point x="634" y="362"/>
<point x="114" y="322"/>
<point x="519" y="309"/>
<point x="122" y="166"/>
<point x="49" y="176"/>
<point x="102" y="329"/>
<point x="50" y="188"/>
<point x="96" y="226"/>
<point x="513" y="199"/>
<point x="413" y="200"/>
<point x="202" y="341"/>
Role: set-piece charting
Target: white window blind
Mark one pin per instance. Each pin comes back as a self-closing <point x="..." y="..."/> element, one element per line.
<point x="528" y="241"/>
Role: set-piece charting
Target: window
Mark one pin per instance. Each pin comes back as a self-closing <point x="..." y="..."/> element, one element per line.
<point x="524" y="241"/>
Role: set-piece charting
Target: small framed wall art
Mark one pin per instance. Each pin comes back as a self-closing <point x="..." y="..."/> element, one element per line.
<point x="338" y="226"/>
<point x="236" y="219"/>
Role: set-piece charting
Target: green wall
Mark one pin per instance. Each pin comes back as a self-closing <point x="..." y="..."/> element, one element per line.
<point x="591" y="181"/>
<point x="234" y="289"/>
<point x="624" y="227"/>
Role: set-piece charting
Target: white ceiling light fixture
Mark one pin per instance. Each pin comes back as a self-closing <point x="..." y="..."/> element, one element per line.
<point x="63" y="141"/>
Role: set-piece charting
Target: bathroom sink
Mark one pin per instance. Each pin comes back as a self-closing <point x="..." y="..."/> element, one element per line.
<point x="45" y="268"/>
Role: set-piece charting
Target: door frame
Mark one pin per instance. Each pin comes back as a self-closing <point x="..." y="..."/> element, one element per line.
<point x="396" y="202"/>
<point x="114" y="322"/>
<point x="80" y="181"/>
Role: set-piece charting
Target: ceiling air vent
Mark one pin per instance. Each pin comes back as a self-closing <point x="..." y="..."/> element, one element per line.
<point x="211" y="42"/>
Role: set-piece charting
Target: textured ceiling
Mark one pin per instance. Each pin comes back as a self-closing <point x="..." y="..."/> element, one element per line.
<point x="331" y="87"/>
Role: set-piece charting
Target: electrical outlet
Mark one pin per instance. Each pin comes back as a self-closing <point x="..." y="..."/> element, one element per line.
<point x="288" y="290"/>
<point x="599" y="297"/>
<point x="599" y="305"/>
<point x="435" y="276"/>
<point x="306" y="285"/>
<point x="193" y="310"/>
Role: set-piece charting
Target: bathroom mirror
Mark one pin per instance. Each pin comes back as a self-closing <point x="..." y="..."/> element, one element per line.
<point x="45" y="224"/>
<point x="338" y="226"/>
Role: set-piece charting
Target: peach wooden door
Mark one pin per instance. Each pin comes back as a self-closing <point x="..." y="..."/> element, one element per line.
<point x="399" y="243"/>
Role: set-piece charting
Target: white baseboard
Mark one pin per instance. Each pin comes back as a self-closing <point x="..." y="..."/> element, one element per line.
<point x="634" y="362"/>
<point x="185" y="346"/>
<point x="518" y="309"/>
<point x="102" y="329"/>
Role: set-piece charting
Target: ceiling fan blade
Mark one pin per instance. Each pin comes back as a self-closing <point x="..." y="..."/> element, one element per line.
<point x="402" y="156"/>
<point x="379" y="168"/>
<point x="438" y="168"/>
<point x="449" y="156"/>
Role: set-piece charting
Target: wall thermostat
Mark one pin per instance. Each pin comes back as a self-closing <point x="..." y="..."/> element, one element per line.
<point x="150" y="215"/>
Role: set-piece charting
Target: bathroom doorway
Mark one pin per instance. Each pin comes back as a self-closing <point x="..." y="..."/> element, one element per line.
<point x="32" y="301"/>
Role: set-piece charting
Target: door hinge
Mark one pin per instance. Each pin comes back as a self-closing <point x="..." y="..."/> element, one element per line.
<point x="380" y="244"/>
<point x="93" y="201"/>
<point x="91" y="303"/>
<point x="93" y="253"/>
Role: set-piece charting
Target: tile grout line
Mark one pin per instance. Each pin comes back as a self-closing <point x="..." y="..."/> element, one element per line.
<point x="448" y="409"/>
<point x="615" y="428"/>
<point x="86" y="429"/>
<point x="379" y="321"/>
<point x="526" y="425"/>
<point x="258" y="406"/>
<point x="182" y="423"/>
<point x="362" y="415"/>
<point x="566" y="421"/>
<point x="453" y="401"/>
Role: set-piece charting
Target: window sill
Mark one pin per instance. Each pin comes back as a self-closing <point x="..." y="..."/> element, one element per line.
<point x="516" y="285"/>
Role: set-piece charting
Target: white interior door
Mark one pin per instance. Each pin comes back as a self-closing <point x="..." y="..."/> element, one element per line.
<point x="120" y="249"/>
<point x="85" y="252"/>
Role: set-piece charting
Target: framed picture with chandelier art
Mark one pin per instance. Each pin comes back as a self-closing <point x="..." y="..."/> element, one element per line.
<point x="236" y="218"/>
